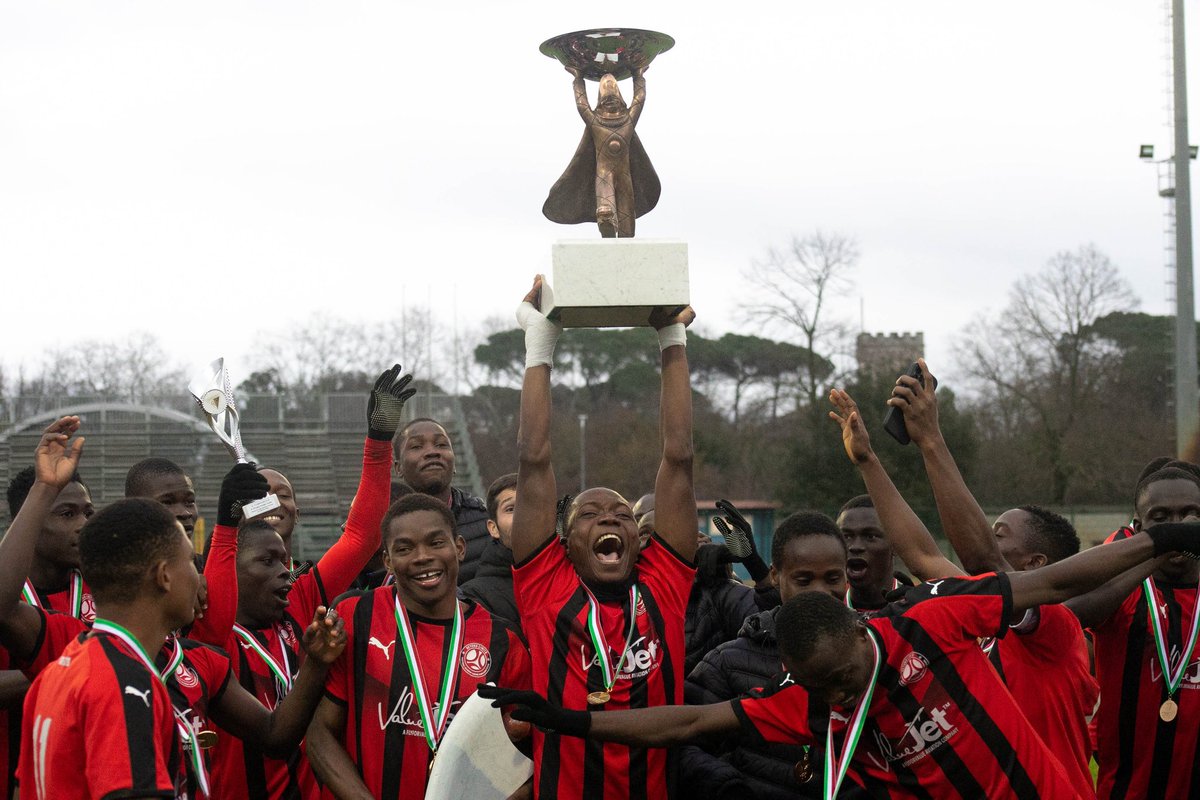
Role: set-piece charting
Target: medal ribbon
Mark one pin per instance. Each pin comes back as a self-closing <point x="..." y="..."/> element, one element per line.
<point x="1172" y="677"/>
<point x="185" y="729"/>
<point x="280" y="669"/>
<point x="30" y="595"/>
<point x="434" y="726"/>
<point x="600" y="644"/>
<point x="836" y="768"/>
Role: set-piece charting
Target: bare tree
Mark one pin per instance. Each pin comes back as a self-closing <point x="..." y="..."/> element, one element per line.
<point x="794" y="288"/>
<point x="1039" y="361"/>
<point x="131" y="369"/>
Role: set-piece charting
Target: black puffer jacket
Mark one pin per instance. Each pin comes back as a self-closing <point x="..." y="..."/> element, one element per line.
<point x="492" y="586"/>
<point x="470" y="517"/>
<point x="716" y="608"/>
<point x="746" y="664"/>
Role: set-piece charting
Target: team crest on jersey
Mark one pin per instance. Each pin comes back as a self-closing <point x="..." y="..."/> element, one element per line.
<point x="87" y="607"/>
<point x="641" y="606"/>
<point x="185" y="677"/>
<point x="913" y="668"/>
<point x="475" y="660"/>
<point x="288" y="637"/>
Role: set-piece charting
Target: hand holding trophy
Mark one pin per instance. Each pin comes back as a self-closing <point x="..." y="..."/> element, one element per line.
<point x="214" y="395"/>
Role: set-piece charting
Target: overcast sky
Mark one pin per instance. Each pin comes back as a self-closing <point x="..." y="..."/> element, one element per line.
<point x="208" y="170"/>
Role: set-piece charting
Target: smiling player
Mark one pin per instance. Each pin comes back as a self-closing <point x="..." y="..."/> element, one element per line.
<point x="604" y="621"/>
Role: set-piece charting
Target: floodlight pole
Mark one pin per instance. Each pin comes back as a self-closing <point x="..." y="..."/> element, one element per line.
<point x="1187" y="389"/>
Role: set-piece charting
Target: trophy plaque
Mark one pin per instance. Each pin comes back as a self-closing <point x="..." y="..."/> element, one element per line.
<point x="214" y="395"/>
<point x="616" y="281"/>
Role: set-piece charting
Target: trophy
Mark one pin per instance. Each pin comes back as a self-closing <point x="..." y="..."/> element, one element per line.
<point x="214" y="395"/>
<point x="617" y="281"/>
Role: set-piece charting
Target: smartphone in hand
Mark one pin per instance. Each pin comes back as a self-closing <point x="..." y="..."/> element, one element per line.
<point x="893" y="423"/>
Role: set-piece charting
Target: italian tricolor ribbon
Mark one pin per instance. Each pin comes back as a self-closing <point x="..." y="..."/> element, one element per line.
<point x="433" y="718"/>
<point x="600" y="644"/>
<point x="30" y="595"/>
<point x="1158" y="623"/>
<point x="280" y="667"/>
<point x="186" y="731"/>
<point x="836" y="767"/>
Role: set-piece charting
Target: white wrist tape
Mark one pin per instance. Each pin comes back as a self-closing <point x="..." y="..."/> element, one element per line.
<point x="540" y="335"/>
<point x="672" y="335"/>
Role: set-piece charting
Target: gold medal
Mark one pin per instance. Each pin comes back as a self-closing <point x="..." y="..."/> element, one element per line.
<point x="1168" y="710"/>
<point x="803" y="770"/>
<point x="206" y="739"/>
<point x="598" y="698"/>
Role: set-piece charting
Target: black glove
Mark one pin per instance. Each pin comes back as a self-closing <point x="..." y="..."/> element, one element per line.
<point x="739" y="540"/>
<point x="532" y="707"/>
<point x="386" y="403"/>
<point x="1176" y="537"/>
<point x="241" y="485"/>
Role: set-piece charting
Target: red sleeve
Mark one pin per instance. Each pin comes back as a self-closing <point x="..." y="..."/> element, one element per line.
<point x="958" y="610"/>
<point x="517" y="671"/>
<point x="781" y="717"/>
<point x="545" y="579"/>
<point x="220" y="573"/>
<point x="213" y="667"/>
<point x="127" y="742"/>
<point x="668" y="575"/>
<point x="338" y="681"/>
<point x="58" y="631"/>
<point x="341" y="564"/>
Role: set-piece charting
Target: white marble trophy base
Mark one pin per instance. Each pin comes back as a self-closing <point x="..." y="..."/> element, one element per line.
<point x="614" y="283"/>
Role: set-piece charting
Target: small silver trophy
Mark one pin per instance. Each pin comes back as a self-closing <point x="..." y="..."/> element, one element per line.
<point x="214" y="395"/>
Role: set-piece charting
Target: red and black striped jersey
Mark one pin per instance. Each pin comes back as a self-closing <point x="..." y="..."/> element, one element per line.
<point x="241" y="770"/>
<point x="566" y="668"/>
<point x="384" y="733"/>
<point x="1140" y="755"/>
<point x="98" y="724"/>
<point x="1044" y="663"/>
<point x="940" y="724"/>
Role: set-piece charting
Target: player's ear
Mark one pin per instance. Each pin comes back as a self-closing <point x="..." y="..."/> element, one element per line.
<point x="1136" y="525"/>
<point x="387" y="559"/>
<point x="460" y="546"/>
<point x="1036" y="560"/>
<point x="493" y="530"/>
<point x="160" y="574"/>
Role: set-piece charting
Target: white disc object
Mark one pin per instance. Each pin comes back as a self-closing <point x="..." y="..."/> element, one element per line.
<point x="213" y="402"/>
<point x="476" y="759"/>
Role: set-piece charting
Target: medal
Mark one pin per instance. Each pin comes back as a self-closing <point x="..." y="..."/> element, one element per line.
<point x="1158" y="624"/>
<point x="836" y="767"/>
<point x="600" y="644"/>
<point x="803" y="771"/>
<point x="434" y="719"/>
<point x="206" y="739"/>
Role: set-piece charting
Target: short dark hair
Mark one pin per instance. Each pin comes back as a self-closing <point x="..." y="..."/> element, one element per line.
<point x="499" y="485"/>
<point x="802" y="621"/>
<point x="1053" y="534"/>
<point x="120" y="542"/>
<point x="145" y="471"/>
<point x="399" y="489"/>
<point x="21" y="483"/>
<point x="411" y="503"/>
<point x="246" y="530"/>
<point x="1164" y="468"/>
<point x="803" y="523"/>
<point x="858" y="501"/>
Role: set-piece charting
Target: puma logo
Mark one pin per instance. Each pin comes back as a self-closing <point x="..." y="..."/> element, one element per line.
<point x="145" y="696"/>
<point x="936" y="585"/>
<point x="387" y="649"/>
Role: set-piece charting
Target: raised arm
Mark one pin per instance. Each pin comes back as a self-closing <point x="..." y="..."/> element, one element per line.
<point x="1098" y="605"/>
<point x="581" y="98"/>
<point x="639" y="93"/>
<point x="910" y="538"/>
<point x="1071" y="577"/>
<point x="674" y="495"/>
<point x="964" y="522"/>
<point x="533" y="518"/>
<point x="54" y="463"/>
<point x="279" y="732"/>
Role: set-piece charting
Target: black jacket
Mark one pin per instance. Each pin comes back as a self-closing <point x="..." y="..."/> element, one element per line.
<point x="470" y="516"/>
<point x="717" y="606"/>
<point x="492" y="586"/>
<point x="748" y="663"/>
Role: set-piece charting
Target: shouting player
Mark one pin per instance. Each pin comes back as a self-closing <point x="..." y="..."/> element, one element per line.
<point x="604" y="620"/>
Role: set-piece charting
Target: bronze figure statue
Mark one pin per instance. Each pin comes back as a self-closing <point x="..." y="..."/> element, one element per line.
<point x="610" y="180"/>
